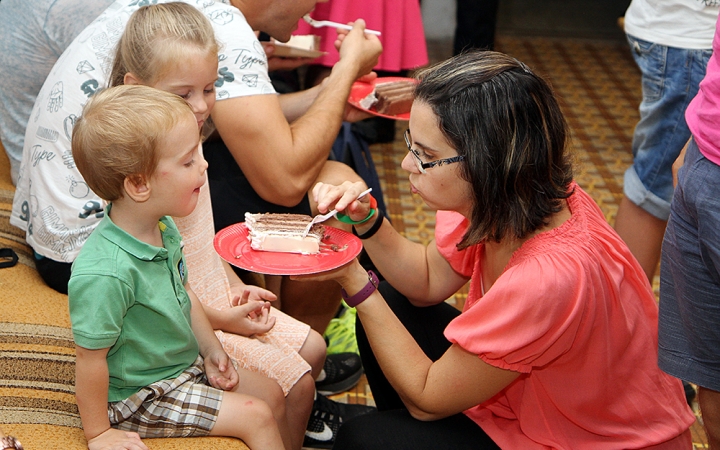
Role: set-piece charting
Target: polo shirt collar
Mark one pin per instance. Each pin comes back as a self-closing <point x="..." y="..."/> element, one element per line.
<point x="129" y="243"/>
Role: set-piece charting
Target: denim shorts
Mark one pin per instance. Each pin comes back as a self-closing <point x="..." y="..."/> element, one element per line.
<point x="689" y="327"/>
<point x="670" y="79"/>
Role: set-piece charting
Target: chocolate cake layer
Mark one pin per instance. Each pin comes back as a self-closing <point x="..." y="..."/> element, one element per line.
<point x="394" y="98"/>
<point x="283" y="233"/>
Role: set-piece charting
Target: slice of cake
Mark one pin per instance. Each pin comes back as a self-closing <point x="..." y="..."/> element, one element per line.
<point x="394" y="98"/>
<point x="283" y="233"/>
<point x="391" y="98"/>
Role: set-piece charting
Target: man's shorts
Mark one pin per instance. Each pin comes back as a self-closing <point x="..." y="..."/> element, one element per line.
<point x="183" y="407"/>
<point x="231" y="193"/>
<point x="670" y="79"/>
<point x="689" y="327"/>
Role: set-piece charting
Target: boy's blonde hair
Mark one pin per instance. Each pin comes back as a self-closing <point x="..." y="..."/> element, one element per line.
<point x="119" y="132"/>
<point x="156" y="38"/>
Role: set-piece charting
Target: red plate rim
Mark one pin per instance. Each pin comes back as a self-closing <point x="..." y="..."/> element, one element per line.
<point x="232" y="244"/>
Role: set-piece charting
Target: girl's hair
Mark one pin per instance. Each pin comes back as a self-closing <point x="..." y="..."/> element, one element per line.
<point x="155" y="40"/>
<point x="507" y="124"/>
<point x="119" y="133"/>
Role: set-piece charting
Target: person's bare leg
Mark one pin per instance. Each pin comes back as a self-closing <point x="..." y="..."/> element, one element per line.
<point x="250" y="419"/>
<point x="300" y="399"/>
<point x="244" y="413"/>
<point x="298" y="406"/>
<point x="709" y="402"/>
<point x="314" y="351"/>
<point x="643" y="233"/>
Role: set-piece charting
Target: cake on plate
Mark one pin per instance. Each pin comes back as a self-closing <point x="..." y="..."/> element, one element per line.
<point x="283" y="233"/>
<point x="390" y="98"/>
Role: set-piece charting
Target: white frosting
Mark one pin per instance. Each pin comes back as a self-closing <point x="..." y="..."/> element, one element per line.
<point x="368" y="101"/>
<point x="270" y="242"/>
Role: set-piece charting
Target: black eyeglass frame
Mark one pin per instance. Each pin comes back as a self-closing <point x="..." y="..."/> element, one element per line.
<point x="422" y="166"/>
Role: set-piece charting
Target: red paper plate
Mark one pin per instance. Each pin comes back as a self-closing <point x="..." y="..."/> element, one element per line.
<point x="360" y="90"/>
<point x="233" y="246"/>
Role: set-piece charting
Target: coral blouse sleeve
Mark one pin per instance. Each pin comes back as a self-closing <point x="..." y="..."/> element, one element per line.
<point x="529" y="317"/>
<point x="450" y="227"/>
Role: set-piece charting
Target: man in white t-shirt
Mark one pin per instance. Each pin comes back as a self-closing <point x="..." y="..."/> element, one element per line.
<point x="32" y="37"/>
<point x="671" y="41"/>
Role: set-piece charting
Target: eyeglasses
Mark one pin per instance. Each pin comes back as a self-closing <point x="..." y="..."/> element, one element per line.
<point x="427" y="165"/>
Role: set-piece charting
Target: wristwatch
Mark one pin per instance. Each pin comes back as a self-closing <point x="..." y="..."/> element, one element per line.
<point x="365" y="292"/>
<point x="10" y="442"/>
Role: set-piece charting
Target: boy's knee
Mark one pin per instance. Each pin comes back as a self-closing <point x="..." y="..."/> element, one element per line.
<point x="256" y="413"/>
<point x="253" y="418"/>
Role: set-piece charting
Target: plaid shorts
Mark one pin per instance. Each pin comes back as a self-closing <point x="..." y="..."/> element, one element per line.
<point x="183" y="407"/>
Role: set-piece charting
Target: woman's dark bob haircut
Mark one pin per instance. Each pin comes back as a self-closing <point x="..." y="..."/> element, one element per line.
<point x="507" y="124"/>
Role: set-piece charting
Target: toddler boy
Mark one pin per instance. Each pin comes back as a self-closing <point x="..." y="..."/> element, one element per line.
<point x="148" y="361"/>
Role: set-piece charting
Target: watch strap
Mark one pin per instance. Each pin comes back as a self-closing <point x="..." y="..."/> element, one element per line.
<point x="365" y="292"/>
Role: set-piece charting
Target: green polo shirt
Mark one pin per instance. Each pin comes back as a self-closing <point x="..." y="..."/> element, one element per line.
<point x="129" y="296"/>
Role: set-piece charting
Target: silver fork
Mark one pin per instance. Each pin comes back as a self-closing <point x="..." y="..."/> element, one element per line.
<point x="328" y="23"/>
<point x="323" y="217"/>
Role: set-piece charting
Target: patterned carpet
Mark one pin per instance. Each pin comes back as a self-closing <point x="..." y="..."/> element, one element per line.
<point x="598" y="85"/>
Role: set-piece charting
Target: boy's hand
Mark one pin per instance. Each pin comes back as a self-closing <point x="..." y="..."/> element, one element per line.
<point x="113" y="439"/>
<point x="219" y="371"/>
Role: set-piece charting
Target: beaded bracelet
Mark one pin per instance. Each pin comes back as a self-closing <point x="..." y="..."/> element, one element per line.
<point x="373" y="229"/>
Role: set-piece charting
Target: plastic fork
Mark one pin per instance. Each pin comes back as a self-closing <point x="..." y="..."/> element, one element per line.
<point x="328" y="23"/>
<point x="323" y="217"/>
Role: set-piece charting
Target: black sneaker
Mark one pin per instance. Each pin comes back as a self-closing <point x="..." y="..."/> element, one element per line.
<point x="326" y="418"/>
<point x="341" y="371"/>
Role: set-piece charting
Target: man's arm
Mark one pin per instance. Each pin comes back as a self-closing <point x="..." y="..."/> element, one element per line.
<point x="269" y="149"/>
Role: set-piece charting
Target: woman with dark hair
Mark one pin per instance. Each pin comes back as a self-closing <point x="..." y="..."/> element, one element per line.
<point x="556" y="346"/>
